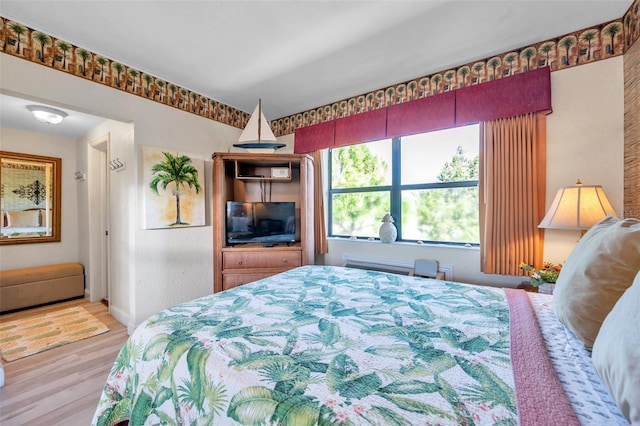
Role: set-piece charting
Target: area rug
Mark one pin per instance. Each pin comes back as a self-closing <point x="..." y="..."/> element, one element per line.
<point x="28" y="336"/>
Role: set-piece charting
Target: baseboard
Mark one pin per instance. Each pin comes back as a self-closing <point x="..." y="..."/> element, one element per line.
<point x="122" y="317"/>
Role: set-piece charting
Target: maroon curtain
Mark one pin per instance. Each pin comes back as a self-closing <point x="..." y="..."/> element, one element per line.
<point x="368" y="126"/>
<point x="313" y="138"/>
<point x="507" y="97"/>
<point x="517" y="95"/>
<point x="422" y="115"/>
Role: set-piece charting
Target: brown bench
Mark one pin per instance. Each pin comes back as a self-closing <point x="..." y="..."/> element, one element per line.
<point x="26" y="287"/>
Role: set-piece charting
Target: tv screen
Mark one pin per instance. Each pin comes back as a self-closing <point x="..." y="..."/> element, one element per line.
<point x="261" y="222"/>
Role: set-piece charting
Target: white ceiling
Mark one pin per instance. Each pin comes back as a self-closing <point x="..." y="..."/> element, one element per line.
<point x="14" y="114"/>
<point x="298" y="55"/>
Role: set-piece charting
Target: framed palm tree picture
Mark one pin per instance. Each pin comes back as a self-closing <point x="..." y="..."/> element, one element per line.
<point x="173" y="188"/>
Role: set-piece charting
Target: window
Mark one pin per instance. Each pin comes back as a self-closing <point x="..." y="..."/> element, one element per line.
<point x="428" y="182"/>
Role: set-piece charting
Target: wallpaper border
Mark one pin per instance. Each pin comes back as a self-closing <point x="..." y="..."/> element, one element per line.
<point x="581" y="47"/>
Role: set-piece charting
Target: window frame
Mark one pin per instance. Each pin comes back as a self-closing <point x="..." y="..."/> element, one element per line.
<point x="395" y="194"/>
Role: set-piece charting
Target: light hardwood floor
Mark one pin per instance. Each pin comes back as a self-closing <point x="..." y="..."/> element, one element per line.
<point x="61" y="385"/>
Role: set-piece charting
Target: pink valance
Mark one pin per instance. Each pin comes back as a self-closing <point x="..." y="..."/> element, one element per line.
<point x="506" y="97"/>
<point x="315" y="137"/>
<point x="368" y="126"/>
<point x="422" y="115"/>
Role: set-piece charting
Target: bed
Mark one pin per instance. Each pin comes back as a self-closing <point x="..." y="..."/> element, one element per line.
<point x="23" y="223"/>
<point x="323" y="345"/>
<point x="27" y="231"/>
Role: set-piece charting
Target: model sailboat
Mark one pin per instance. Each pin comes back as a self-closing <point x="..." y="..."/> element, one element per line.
<point x="257" y="136"/>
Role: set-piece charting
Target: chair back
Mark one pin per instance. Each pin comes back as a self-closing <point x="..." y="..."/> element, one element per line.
<point x="425" y="268"/>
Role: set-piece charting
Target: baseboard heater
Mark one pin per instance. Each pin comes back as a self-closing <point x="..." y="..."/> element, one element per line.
<point x="402" y="267"/>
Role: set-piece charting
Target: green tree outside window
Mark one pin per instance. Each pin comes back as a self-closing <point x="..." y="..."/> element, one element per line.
<point x="446" y="210"/>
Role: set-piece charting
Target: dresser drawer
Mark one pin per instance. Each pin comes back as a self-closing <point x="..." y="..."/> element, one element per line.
<point x="234" y="280"/>
<point x="254" y="259"/>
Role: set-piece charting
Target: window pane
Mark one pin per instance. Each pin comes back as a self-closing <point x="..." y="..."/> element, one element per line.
<point x="445" y="156"/>
<point x="358" y="214"/>
<point x="449" y="214"/>
<point x="362" y="165"/>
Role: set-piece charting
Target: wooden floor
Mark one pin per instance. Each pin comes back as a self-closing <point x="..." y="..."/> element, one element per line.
<point x="61" y="385"/>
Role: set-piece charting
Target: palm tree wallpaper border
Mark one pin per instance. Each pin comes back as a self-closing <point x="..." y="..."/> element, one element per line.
<point x="581" y="47"/>
<point x="173" y="188"/>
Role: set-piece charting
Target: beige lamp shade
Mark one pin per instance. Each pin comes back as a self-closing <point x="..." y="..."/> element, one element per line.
<point x="577" y="207"/>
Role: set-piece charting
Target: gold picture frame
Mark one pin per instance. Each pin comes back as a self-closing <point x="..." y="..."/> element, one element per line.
<point x="30" y="198"/>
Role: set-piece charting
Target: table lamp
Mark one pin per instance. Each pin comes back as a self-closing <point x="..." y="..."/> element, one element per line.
<point x="577" y="207"/>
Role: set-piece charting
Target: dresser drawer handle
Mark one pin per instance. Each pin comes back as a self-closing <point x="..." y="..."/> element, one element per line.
<point x="240" y="262"/>
<point x="285" y="261"/>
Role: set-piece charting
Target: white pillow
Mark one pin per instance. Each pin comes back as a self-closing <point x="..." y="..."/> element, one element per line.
<point x="598" y="270"/>
<point x="23" y="218"/>
<point x="616" y="352"/>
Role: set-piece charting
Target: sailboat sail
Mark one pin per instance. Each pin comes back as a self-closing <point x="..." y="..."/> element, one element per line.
<point x="251" y="132"/>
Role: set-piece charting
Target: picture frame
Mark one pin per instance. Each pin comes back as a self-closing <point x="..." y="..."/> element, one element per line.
<point x="173" y="189"/>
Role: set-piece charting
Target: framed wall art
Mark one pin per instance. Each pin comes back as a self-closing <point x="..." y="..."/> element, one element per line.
<point x="173" y="188"/>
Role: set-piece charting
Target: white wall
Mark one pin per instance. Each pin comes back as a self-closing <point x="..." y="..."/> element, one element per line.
<point x="155" y="268"/>
<point x="121" y="145"/>
<point x="585" y="139"/>
<point x="33" y="254"/>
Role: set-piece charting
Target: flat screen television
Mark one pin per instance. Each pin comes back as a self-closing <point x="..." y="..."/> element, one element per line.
<point x="261" y="222"/>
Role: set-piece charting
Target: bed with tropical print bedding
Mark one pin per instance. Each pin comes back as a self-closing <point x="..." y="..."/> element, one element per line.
<point x="321" y="345"/>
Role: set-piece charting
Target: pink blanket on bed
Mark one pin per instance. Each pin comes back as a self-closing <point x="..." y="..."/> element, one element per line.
<point x="539" y="394"/>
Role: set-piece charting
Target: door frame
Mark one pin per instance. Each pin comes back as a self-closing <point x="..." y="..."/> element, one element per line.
<point x="98" y="196"/>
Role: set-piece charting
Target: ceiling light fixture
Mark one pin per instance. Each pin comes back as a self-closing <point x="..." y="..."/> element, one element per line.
<point x="256" y="132"/>
<point x="47" y="114"/>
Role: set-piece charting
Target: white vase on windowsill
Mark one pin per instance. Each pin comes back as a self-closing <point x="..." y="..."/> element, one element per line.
<point x="388" y="232"/>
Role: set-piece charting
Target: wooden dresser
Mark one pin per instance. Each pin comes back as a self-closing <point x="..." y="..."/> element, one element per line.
<point x="249" y="263"/>
<point x="247" y="177"/>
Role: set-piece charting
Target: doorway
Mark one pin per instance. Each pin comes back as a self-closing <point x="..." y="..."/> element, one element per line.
<point x="98" y="197"/>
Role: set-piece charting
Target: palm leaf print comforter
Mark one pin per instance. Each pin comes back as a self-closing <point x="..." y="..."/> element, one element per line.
<point x="320" y="345"/>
